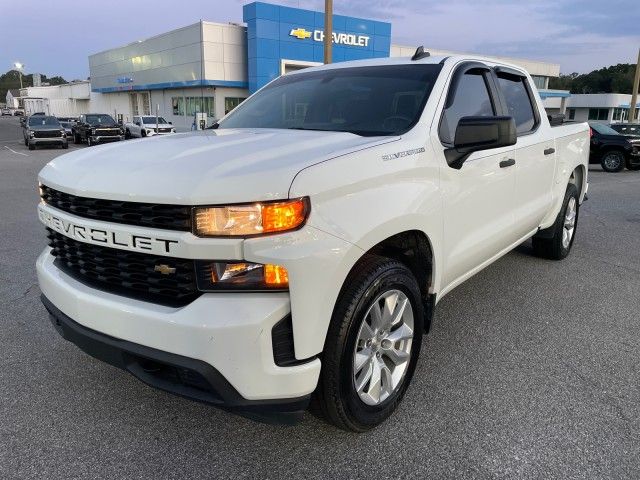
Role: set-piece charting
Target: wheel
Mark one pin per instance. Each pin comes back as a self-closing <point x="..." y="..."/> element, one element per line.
<point x="127" y="134"/>
<point x="26" y="142"/>
<point x="65" y="146"/>
<point x="372" y="345"/>
<point x="556" y="241"/>
<point x="143" y="133"/>
<point x="612" y="161"/>
<point x="633" y="165"/>
<point x="76" y="139"/>
<point x="32" y="147"/>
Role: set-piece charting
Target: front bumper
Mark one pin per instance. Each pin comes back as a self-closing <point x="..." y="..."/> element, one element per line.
<point x="47" y="141"/>
<point x="225" y="333"/>
<point x="176" y="374"/>
<point x="105" y="139"/>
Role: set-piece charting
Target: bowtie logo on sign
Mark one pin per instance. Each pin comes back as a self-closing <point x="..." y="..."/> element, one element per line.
<point x="338" y="38"/>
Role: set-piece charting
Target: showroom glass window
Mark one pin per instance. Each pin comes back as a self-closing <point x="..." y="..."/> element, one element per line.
<point x="231" y="102"/>
<point x="598" y="113"/>
<point x="177" y="103"/>
<point x="516" y="94"/>
<point x="471" y="98"/>
<point x="572" y="114"/>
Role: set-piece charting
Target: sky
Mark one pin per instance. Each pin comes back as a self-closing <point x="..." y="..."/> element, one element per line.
<point x="55" y="37"/>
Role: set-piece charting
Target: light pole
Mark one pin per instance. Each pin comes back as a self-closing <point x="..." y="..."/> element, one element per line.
<point x="328" y="30"/>
<point x="19" y="66"/>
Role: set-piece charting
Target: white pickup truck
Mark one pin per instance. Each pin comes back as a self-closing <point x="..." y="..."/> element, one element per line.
<point x="147" y="126"/>
<point x="300" y="248"/>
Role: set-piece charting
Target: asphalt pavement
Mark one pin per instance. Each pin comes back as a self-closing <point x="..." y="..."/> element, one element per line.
<point x="531" y="370"/>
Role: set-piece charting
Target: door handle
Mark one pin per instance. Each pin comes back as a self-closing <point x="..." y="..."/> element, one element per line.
<point x="507" y="163"/>
<point x="549" y="151"/>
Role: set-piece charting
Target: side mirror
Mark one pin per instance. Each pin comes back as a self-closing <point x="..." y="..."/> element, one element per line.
<point x="474" y="134"/>
<point x="137" y="123"/>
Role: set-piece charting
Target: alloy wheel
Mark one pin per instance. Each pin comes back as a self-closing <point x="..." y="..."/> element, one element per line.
<point x="383" y="347"/>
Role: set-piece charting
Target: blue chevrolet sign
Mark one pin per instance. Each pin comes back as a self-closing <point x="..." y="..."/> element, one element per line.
<point x="277" y="34"/>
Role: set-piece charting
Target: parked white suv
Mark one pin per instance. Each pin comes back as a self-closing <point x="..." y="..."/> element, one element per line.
<point x="302" y="246"/>
<point x="147" y="126"/>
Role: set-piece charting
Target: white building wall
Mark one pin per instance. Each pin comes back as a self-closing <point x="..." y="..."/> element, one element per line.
<point x="224" y="52"/>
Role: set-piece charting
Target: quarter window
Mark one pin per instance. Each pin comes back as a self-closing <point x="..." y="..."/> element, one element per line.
<point x="518" y="101"/>
<point x="471" y="99"/>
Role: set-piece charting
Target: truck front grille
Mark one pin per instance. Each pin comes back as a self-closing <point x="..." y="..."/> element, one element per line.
<point x="125" y="273"/>
<point x="47" y="133"/>
<point x="107" y="132"/>
<point x="168" y="217"/>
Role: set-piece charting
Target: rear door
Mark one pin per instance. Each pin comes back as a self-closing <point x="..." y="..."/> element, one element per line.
<point x="535" y="151"/>
<point x="478" y="197"/>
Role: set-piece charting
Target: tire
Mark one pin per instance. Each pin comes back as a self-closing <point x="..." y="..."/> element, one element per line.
<point x="612" y="161"/>
<point x="76" y="139"/>
<point x="89" y="142"/>
<point x="127" y="134"/>
<point x="337" y="395"/>
<point x="551" y="242"/>
<point x="32" y="147"/>
<point x="65" y="146"/>
<point x="143" y="133"/>
<point x="26" y="142"/>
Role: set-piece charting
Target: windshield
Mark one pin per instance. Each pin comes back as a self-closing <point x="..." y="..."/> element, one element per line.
<point x="43" y="120"/>
<point x="603" y="129"/>
<point x="152" y="120"/>
<point x="100" y="120"/>
<point x="378" y="100"/>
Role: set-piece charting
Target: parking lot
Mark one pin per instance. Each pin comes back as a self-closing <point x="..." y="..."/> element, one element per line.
<point x="532" y="369"/>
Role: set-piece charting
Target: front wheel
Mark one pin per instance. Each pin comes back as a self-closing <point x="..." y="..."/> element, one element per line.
<point x="89" y="142"/>
<point x="612" y="161"/>
<point x="372" y="345"/>
<point x="556" y="241"/>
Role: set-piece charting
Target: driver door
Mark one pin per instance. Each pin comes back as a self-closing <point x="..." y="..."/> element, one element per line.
<point x="478" y="196"/>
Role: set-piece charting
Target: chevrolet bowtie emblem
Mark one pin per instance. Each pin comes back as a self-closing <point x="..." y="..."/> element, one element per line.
<point x="164" y="269"/>
<point x="300" y="33"/>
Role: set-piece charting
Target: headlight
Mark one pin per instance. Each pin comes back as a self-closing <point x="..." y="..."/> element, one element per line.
<point x="32" y="133"/>
<point x="250" y="219"/>
<point x="63" y="133"/>
<point x="216" y="276"/>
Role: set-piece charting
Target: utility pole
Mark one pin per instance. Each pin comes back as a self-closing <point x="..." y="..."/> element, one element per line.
<point x="634" y="93"/>
<point x="328" y="29"/>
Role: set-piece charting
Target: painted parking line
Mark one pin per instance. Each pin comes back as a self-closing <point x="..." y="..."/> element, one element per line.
<point x="17" y="153"/>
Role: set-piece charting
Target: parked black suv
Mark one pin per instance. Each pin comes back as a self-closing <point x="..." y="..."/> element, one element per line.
<point x="95" y="128"/>
<point x="629" y="130"/>
<point x="612" y="150"/>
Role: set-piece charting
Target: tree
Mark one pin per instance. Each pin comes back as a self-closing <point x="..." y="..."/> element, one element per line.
<point x="613" y="79"/>
<point x="11" y="81"/>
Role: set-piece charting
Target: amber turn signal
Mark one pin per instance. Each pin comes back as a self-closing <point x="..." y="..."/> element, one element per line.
<point x="250" y="219"/>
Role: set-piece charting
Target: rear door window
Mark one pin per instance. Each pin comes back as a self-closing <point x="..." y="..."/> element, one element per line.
<point x="519" y="105"/>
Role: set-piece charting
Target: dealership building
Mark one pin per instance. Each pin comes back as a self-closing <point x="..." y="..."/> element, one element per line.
<point x="209" y="68"/>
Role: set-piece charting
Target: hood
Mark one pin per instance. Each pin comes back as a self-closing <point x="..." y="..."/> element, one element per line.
<point x="105" y="125"/>
<point x="210" y="167"/>
<point x="45" y="127"/>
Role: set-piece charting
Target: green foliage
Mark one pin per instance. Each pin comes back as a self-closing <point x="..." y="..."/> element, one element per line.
<point x="614" y="79"/>
<point x="11" y="80"/>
